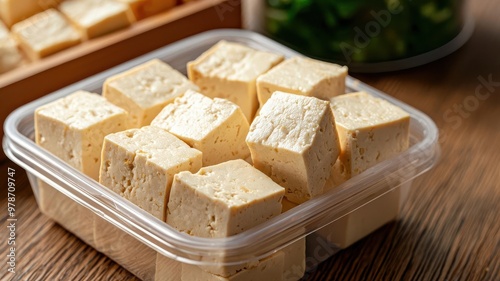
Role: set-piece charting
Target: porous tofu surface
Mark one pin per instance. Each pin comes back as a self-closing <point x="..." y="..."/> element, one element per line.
<point x="361" y="110"/>
<point x="145" y="89"/>
<point x="45" y="33"/>
<point x="216" y="127"/>
<point x="229" y="70"/>
<point x="222" y="200"/>
<point x="73" y="128"/>
<point x="303" y="76"/>
<point x="139" y="164"/>
<point x="371" y="130"/>
<point x="294" y="141"/>
<point x="97" y="17"/>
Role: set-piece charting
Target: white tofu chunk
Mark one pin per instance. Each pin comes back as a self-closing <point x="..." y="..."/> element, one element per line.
<point x="370" y="129"/>
<point x="294" y="141"/>
<point x="145" y="89"/>
<point x="10" y="57"/>
<point x="303" y="76"/>
<point x="139" y="165"/>
<point x="73" y="129"/>
<point x="44" y="34"/>
<point x="94" y="18"/>
<point x="13" y="11"/>
<point x="145" y="8"/>
<point x="270" y="268"/>
<point x="229" y="71"/>
<point x="222" y="200"/>
<point x="216" y="127"/>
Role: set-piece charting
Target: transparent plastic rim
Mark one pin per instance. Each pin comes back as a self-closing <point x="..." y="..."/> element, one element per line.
<point x="252" y="244"/>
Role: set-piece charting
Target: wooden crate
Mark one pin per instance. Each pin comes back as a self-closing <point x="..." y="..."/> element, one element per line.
<point x="37" y="79"/>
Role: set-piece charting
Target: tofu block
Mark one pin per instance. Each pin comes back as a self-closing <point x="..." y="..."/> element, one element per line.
<point x="294" y="141"/>
<point x="145" y="8"/>
<point x="303" y="76"/>
<point x="73" y="129"/>
<point x="287" y="205"/>
<point x="295" y="260"/>
<point x="270" y="268"/>
<point x="128" y="252"/>
<point x="10" y="57"/>
<point x="229" y="71"/>
<point x="370" y="129"/>
<point x="139" y="165"/>
<point x="167" y="269"/>
<point x="94" y="18"/>
<point x="144" y="90"/>
<point x="44" y="34"/>
<point x="216" y="127"/>
<point x="13" y="11"/>
<point x="222" y="200"/>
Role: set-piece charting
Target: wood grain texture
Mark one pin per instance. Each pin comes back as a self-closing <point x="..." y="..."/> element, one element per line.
<point x="449" y="229"/>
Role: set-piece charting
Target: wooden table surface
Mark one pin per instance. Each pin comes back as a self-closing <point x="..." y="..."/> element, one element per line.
<point x="449" y="229"/>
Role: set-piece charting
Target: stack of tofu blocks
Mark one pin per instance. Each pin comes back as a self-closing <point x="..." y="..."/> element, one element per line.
<point x="248" y="136"/>
<point x="34" y="29"/>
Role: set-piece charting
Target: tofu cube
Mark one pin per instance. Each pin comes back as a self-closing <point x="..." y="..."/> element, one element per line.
<point x="73" y="129"/>
<point x="145" y="8"/>
<point x="14" y="11"/>
<point x="44" y="34"/>
<point x="270" y="268"/>
<point x="10" y="57"/>
<point x="139" y="164"/>
<point x="144" y="90"/>
<point x="294" y="141"/>
<point x="216" y="127"/>
<point x="94" y="18"/>
<point x="222" y="200"/>
<point x="303" y="76"/>
<point x="229" y="71"/>
<point x="370" y="129"/>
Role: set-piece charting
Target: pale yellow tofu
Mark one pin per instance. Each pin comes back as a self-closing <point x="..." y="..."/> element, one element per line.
<point x="94" y="18"/>
<point x="294" y="141"/>
<point x="44" y="34"/>
<point x="145" y="89"/>
<point x="146" y="8"/>
<point x="222" y="200"/>
<point x="287" y="205"/>
<point x="370" y="129"/>
<point x="13" y="11"/>
<point x="270" y="268"/>
<point x="303" y="76"/>
<point x="139" y="164"/>
<point x="215" y="127"/>
<point x="10" y="57"/>
<point x="167" y="269"/>
<point x="229" y="70"/>
<point x="73" y="129"/>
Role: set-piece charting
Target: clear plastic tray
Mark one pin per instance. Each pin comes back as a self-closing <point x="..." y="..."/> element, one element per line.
<point x="95" y="204"/>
